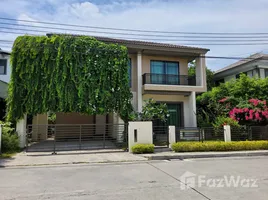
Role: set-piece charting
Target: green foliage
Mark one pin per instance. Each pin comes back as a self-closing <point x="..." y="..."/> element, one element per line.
<point x="210" y="75"/>
<point x="52" y="117"/>
<point x="142" y="148"/>
<point x="237" y="91"/>
<point x="219" y="146"/>
<point x="10" y="141"/>
<point x="152" y="110"/>
<point x="68" y="74"/>
<point x="220" y="121"/>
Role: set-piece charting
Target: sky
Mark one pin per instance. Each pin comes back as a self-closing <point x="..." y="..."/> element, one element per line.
<point x="159" y="15"/>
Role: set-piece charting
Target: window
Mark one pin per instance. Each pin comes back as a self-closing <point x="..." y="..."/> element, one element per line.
<point x="164" y="72"/>
<point x="129" y="71"/>
<point x="266" y="73"/>
<point x="250" y="73"/>
<point x="3" y="66"/>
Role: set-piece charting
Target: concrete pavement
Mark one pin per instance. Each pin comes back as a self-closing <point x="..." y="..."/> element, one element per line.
<point x="210" y="154"/>
<point x="144" y="181"/>
<point x="72" y="157"/>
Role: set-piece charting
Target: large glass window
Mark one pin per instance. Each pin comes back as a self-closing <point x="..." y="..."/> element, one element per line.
<point x="164" y="72"/>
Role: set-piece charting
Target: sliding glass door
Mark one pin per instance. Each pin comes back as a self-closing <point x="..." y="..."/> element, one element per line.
<point x="164" y="72"/>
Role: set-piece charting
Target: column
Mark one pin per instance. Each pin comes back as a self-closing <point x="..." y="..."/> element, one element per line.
<point x="200" y="71"/>
<point x="172" y="135"/>
<point x="139" y="81"/>
<point x="192" y="109"/>
<point x="40" y="127"/>
<point x="227" y="133"/>
<point x="21" y="130"/>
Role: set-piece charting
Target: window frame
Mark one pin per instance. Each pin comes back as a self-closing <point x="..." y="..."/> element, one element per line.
<point x="5" y="67"/>
<point x="266" y="73"/>
<point x="165" y="66"/>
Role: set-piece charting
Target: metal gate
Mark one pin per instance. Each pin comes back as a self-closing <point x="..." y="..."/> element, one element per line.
<point x="70" y="137"/>
<point x="161" y="136"/>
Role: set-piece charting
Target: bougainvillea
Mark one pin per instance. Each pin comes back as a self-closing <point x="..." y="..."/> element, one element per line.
<point x="64" y="73"/>
<point x="256" y="111"/>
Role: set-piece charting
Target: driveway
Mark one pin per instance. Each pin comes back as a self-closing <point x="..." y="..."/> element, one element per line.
<point x="143" y="181"/>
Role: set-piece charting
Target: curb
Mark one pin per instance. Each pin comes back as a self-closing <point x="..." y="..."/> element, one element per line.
<point x="200" y="155"/>
<point x="72" y="163"/>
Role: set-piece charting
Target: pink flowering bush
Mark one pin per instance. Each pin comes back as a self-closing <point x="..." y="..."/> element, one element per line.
<point x="254" y="110"/>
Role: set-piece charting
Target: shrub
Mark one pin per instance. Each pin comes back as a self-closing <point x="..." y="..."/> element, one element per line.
<point x="143" y="148"/>
<point x="10" y="140"/>
<point x="219" y="146"/>
<point x="221" y="121"/>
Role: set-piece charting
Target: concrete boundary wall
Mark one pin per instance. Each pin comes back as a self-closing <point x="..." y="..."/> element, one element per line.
<point x="140" y="133"/>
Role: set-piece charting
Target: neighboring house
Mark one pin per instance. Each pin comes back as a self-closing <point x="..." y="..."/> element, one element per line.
<point x="255" y="65"/>
<point x="5" y="72"/>
<point x="158" y="71"/>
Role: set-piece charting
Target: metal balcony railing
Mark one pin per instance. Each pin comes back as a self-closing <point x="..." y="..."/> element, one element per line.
<point x="168" y="79"/>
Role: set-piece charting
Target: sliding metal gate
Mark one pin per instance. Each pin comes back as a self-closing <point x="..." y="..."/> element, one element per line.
<point x="69" y="137"/>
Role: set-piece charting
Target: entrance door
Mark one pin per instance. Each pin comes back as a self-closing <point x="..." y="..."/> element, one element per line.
<point x="174" y="115"/>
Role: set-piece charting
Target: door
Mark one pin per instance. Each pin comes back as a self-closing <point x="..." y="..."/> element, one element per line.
<point x="175" y="117"/>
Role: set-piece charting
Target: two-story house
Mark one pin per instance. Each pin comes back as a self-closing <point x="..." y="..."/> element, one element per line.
<point x="158" y="71"/>
<point x="255" y="65"/>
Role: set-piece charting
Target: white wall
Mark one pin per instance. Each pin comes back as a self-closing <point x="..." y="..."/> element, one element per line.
<point x="144" y="132"/>
<point x="6" y="77"/>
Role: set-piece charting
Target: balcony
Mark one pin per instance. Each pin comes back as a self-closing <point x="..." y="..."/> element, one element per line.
<point x="168" y="79"/>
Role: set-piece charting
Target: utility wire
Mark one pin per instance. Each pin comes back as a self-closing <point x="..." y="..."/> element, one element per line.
<point x="132" y="30"/>
<point x="249" y="42"/>
<point x="132" y="34"/>
<point x="42" y="46"/>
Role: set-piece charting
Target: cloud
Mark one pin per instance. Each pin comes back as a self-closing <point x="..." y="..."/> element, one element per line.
<point x="165" y="15"/>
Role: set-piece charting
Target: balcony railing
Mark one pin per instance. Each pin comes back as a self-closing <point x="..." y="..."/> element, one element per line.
<point x="168" y="79"/>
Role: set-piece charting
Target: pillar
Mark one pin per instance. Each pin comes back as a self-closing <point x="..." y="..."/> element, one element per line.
<point x="140" y="133"/>
<point x="192" y="109"/>
<point x="139" y="82"/>
<point x="227" y="133"/>
<point x="200" y="71"/>
<point x="21" y="130"/>
<point x="172" y="135"/>
<point x="40" y="127"/>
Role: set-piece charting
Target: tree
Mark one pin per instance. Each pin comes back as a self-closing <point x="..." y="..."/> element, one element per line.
<point x="209" y="73"/>
<point x="235" y="96"/>
<point x="152" y="110"/>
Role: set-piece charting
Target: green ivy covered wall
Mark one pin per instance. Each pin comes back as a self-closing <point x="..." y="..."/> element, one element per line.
<point x="64" y="73"/>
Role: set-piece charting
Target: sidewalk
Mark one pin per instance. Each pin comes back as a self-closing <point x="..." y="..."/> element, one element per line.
<point x="189" y="155"/>
<point x="79" y="157"/>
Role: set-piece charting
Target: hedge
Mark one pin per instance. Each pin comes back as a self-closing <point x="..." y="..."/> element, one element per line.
<point x="219" y="146"/>
<point x="142" y="148"/>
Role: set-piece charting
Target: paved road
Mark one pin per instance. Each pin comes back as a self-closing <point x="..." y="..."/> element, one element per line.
<point x="141" y="181"/>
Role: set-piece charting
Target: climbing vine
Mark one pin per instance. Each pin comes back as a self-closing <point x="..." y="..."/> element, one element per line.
<point x="68" y="74"/>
